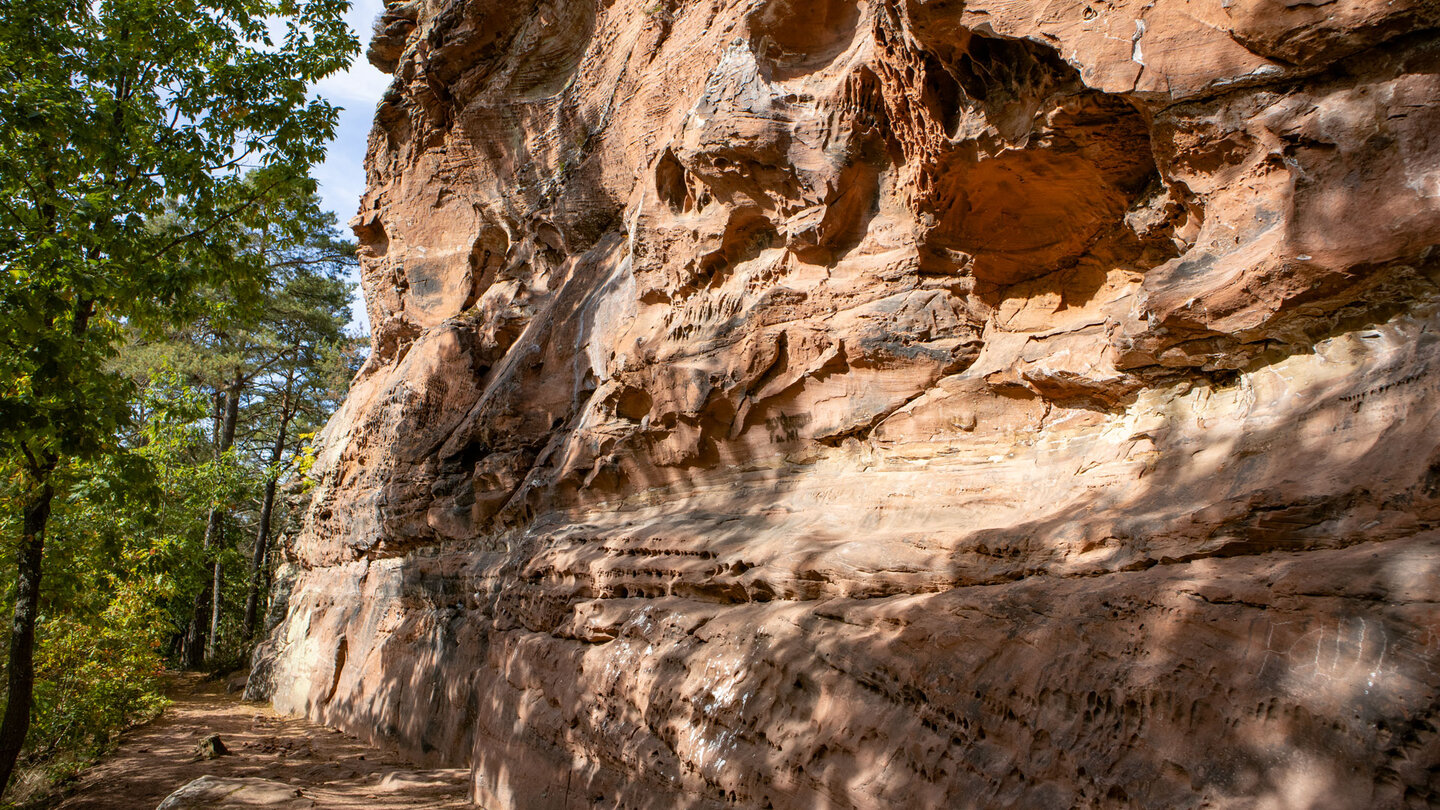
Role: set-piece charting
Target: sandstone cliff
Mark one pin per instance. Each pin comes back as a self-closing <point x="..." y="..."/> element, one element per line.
<point x="892" y="403"/>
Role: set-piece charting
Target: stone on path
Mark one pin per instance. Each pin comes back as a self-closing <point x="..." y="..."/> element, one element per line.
<point x="211" y="747"/>
<point x="215" y="792"/>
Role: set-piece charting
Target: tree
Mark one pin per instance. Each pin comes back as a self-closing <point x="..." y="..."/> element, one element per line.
<point x="120" y="545"/>
<point x="114" y="113"/>
<point x="267" y="360"/>
<point x="303" y="344"/>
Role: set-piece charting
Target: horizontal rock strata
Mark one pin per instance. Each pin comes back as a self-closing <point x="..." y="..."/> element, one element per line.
<point x="887" y="403"/>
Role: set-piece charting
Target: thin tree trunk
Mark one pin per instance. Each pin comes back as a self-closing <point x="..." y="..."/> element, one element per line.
<point x="215" y="600"/>
<point x="257" y="559"/>
<point x="232" y="416"/>
<point x="267" y="509"/>
<point x="199" y="645"/>
<point x="20" y="670"/>
<point x="193" y="645"/>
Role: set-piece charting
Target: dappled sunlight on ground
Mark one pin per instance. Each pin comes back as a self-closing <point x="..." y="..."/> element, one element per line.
<point x="331" y="769"/>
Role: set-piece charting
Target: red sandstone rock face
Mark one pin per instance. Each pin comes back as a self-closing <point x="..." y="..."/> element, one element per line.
<point x="882" y="404"/>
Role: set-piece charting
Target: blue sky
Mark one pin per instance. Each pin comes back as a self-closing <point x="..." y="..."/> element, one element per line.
<point x="357" y="90"/>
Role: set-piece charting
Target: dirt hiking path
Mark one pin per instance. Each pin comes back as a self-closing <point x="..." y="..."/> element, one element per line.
<point x="328" y="768"/>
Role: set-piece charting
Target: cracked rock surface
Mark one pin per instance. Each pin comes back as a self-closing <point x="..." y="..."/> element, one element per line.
<point x="887" y="403"/>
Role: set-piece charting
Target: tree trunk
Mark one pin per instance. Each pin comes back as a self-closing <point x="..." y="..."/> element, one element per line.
<point x="194" y="644"/>
<point x="267" y="509"/>
<point x="257" y="559"/>
<point x="20" y="671"/>
<point x="198" y="645"/>
<point x="215" y="600"/>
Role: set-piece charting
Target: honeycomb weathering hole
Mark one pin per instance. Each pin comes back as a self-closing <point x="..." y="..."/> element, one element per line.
<point x="670" y="182"/>
<point x="1053" y="168"/>
<point x="796" y="37"/>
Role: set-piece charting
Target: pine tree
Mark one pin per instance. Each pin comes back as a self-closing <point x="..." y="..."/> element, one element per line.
<point x="110" y="111"/>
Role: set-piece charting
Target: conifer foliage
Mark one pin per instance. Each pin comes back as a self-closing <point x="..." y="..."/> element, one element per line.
<point x="137" y="140"/>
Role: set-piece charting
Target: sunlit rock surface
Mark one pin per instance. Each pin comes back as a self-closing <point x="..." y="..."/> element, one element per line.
<point x="890" y="404"/>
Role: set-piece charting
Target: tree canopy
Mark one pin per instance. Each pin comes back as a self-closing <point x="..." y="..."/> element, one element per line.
<point x="122" y="127"/>
<point x="136" y="138"/>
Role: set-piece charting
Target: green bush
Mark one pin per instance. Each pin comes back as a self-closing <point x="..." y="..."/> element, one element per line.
<point x="96" y="678"/>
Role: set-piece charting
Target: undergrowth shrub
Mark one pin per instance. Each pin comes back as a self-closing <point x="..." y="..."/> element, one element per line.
<point x="95" y="677"/>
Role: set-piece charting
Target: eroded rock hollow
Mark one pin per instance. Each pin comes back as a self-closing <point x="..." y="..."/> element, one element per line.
<point x="887" y="403"/>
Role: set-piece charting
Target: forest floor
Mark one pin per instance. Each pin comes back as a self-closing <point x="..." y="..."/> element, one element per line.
<point x="322" y="767"/>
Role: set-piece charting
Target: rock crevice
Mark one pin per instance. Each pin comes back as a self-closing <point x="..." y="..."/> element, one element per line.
<point x="874" y="403"/>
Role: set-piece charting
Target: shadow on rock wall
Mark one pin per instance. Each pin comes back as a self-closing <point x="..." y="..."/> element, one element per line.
<point x="871" y="404"/>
